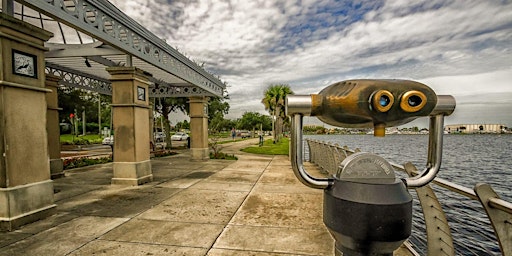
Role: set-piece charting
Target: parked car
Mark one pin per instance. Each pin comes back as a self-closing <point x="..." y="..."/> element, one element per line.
<point x="159" y="136"/>
<point x="108" y="140"/>
<point x="245" y="134"/>
<point x="179" y="136"/>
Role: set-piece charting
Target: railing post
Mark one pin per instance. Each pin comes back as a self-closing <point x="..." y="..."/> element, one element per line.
<point x="501" y="221"/>
<point x="439" y="237"/>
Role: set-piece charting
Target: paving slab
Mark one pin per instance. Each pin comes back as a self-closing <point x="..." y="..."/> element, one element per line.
<point x="276" y="240"/>
<point x="223" y="186"/>
<point x="113" y="248"/>
<point x="179" y="183"/>
<point x="90" y="175"/>
<point x="65" y="238"/>
<point x="271" y="176"/>
<point x="63" y="191"/>
<point x="50" y="222"/>
<point x="232" y="252"/>
<point x="235" y="176"/>
<point x="281" y="210"/>
<point x="166" y="233"/>
<point x="262" y="187"/>
<point x="12" y="237"/>
<point x="198" y="206"/>
<point x="120" y="202"/>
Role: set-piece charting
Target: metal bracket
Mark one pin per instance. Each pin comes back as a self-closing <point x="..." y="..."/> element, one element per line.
<point x="501" y="220"/>
<point x="439" y="237"/>
<point x="297" y="156"/>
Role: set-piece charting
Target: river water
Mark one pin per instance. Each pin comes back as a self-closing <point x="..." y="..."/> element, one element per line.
<point x="467" y="160"/>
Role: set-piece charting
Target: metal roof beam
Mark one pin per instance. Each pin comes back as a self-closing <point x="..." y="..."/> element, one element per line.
<point x="158" y="89"/>
<point x="80" y="50"/>
<point x="104" y="62"/>
<point x="169" y="91"/>
<point x="74" y="78"/>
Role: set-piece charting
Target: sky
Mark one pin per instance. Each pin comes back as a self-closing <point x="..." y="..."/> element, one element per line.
<point x="462" y="48"/>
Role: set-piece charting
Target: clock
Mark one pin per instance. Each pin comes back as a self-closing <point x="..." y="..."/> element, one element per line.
<point x="141" y="93"/>
<point x="24" y="64"/>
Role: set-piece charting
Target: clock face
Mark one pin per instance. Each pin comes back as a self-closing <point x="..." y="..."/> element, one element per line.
<point x="24" y="64"/>
<point x="141" y="93"/>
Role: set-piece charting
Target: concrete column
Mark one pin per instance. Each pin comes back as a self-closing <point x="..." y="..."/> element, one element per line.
<point x="26" y="190"/>
<point x="199" y="128"/>
<point x="52" y="127"/>
<point x="130" y="108"/>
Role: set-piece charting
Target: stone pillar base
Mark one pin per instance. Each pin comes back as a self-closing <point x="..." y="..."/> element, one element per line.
<point x="200" y="154"/>
<point x="25" y="204"/>
<point x="132" y="173"/>
<point x="56" y="168"/>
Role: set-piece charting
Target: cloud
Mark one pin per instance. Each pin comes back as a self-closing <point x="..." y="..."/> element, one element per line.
<point x="311" y="44"/>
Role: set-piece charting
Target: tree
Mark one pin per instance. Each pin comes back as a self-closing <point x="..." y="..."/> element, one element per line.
<point x="165" y="106"/>
<point x="183" y="125"/>
<point x="217" y="108"/>
<point x="249" y="121"/>
<point x="274" y="101"/>
<point x="219" y="123"/>
<point x="75" y="101"/>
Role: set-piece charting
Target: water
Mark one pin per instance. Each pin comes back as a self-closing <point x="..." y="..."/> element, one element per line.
<point x="467" y="160"/>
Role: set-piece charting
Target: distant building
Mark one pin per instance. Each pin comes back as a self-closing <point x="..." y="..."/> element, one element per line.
<point x="475" y="128"/>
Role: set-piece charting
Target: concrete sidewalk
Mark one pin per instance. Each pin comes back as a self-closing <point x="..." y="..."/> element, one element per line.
<point x="253" y="206"/>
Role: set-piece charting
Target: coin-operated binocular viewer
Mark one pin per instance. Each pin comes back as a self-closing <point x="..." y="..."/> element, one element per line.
<point x="366" y="208"/>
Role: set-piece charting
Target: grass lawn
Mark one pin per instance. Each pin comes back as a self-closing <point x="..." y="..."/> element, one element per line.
<point x="269" y="148"/>
<point x="91" y="138"/>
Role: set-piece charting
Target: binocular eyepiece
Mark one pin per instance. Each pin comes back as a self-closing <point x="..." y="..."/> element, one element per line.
<point x="369" y="103"/>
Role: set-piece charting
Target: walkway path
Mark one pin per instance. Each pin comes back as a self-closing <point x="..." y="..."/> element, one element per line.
<point x="253" y="206"/>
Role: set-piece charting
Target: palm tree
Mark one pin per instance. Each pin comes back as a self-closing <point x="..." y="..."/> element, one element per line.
<point x="274" y="101"/>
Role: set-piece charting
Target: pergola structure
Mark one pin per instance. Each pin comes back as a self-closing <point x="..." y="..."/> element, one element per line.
<point x="91" y="45"/>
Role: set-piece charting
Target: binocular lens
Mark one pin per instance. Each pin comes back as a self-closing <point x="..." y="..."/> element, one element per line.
<point x="414" y="101"/>
<point x="384" y="100"/>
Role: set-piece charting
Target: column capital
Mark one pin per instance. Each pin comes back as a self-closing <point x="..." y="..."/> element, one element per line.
<point x="29" y="31"/>
<point x="122" y="73"/>
<point x="198" y="99"/>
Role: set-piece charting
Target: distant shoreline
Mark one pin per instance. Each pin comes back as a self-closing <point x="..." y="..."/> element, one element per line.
<point x="411" y="133"/>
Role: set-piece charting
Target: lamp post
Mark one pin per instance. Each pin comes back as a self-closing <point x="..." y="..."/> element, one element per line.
<point x="83" y="121"/>
<point x="99" y="115"/>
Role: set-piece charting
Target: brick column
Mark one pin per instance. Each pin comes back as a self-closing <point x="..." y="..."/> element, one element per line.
<point x="52" y="126"/>
<point x="26" y="190"/>
<point x="199" y="128"/>
<point x="130" y="108"/>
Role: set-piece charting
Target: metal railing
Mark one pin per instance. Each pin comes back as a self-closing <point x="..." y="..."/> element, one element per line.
<point x="455" y="220"/>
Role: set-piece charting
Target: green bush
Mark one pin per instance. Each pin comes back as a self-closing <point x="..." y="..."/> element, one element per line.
<point x="163" y="153"/>
<point x="80" y="141"/>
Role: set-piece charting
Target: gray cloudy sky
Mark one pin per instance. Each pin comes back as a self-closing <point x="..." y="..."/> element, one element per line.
<point x="463" y="48"/>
